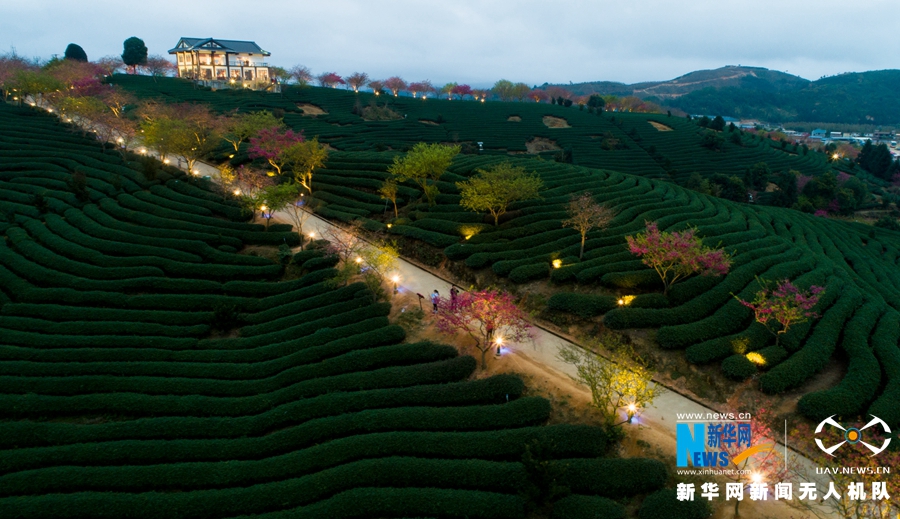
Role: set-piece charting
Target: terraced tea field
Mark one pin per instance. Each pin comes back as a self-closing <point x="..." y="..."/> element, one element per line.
<point x="147" y="369"/>
<point x="624" y="142"/>
<point x="856" y="263"/>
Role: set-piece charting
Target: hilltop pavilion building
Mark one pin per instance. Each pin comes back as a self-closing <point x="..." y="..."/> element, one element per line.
<point x="211" y="59"/>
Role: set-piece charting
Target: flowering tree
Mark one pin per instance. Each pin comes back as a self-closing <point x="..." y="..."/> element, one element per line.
<point x="783" y="306"/>
<point x="330" y="79"/>
<point x="158" y="66"/>
<point x="376" y="85"/>
<point x="586" y="214"/>
<point x="110" y="64"/>
<point x="357" y="80"/>
<point x="539" y="95"/>
<point x="395" y="85"/>
<point x="677" y="255"/>
<point x="487" y="317"/>
<point x="271" y="144"/>
<point x="420" y="87"/>
<point x="461" y="90"/>
<point x="447" y="90"/>
<point x="301" y="75"/>
<point x="480" y="94"/>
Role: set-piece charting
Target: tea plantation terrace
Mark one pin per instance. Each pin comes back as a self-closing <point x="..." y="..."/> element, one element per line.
<point x="147" y="369"/>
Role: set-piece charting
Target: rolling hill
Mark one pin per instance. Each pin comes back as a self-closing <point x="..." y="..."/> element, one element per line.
<point x="871" y="98"/>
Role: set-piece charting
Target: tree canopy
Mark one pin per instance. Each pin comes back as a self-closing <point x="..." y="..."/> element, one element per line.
<point x="493" y="189"/>
<point x="134" y="52"/>
<point x="424" y="165"/>
<point x="75" y="52"/>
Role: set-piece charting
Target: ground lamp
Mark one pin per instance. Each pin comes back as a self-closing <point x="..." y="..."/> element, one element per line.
<point x="396" y="279"/>
<point x="499" y="342"/>
<point x="631" y="410"/>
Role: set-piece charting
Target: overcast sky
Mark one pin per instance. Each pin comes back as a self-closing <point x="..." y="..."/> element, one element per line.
<point x="479" y="42"/>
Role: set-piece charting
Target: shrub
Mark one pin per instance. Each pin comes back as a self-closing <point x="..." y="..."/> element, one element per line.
<point x="583" y="305"/>
<point x="738" y="367"/>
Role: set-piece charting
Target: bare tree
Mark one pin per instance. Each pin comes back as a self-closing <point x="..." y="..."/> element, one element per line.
<point x="585" y="214"/>
<point x="301" y="75"/>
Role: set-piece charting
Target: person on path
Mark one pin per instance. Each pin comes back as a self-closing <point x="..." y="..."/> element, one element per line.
<point x="435" y="297"/>
<point x="453" y="293"/>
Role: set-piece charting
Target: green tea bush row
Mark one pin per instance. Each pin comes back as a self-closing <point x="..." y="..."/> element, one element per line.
<point x="582" y="305"/>
<point x="860" y="385"/>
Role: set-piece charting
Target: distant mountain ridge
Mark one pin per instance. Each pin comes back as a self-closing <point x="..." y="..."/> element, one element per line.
<point x="759" y="93"/>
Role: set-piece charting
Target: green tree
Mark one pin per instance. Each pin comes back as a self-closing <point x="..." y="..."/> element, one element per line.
<point x="622" y="383"/>
<point x="596" y="101"/>
<point x="240" y="127"/>
<point x="388" y="191"/>
<point x="712" y="141"/>
<point x="717" y="124"/>
<point x="35" y="83"/>
<point x="134" y="53"/>
<point x="275" y="198"/>
<point x="493" y="189"/>
<point x="732" y="187"/>
<point x="757" y="176"/>
<point x="166" y="135"/>
<point x="424" y="165"/>
<point x="787" y="193"/>
<point x="75" y="52"/>
<point x="303" y="158"/>
<point x="503" y="89"/>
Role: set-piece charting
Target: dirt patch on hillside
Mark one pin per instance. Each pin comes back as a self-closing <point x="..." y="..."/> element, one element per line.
<point x="311" y="110"/>
<point x="380" y="113"/>
<point x="660" y="126"/>
<point x="555" y="122"/>
<point x="426" y="121"/>
<point x="540" y="144"/>
<point x="514" y="118"/>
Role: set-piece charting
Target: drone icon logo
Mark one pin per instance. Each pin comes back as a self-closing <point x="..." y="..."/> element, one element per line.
<point x="853" y="435"/>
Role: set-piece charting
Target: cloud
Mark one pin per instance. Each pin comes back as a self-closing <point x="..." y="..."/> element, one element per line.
<point x="480" y="42"/>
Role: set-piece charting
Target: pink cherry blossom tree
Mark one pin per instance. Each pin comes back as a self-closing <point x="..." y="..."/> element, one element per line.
<point x="330" y="80"/>
<point x="488" y="317"/>
<point x="376" y="85"/>
<point x="539" y="95"/>
<point x="677" y="255"/>
<point x="395" y="85"/>
<point x="271" y="144"/>
<point x="357" y="80"/>
<point x="461" y="90"/>
<point x="784" y="305"/>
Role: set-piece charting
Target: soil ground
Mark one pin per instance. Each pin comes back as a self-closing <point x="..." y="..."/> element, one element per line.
<point x="555" y="122"/>
<point x="539" y="144"/>
<point x="309" y="109"/>
<point x="660" y="126"/>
